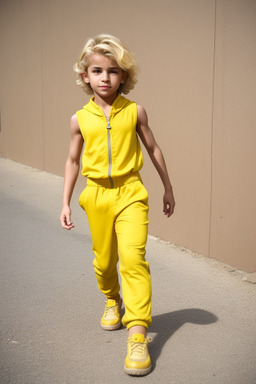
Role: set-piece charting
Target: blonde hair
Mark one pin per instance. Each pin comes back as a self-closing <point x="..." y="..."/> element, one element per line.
<point x="113" y="48"/>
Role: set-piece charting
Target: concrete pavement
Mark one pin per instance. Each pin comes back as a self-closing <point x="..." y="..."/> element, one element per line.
<point x="204" y="315"/>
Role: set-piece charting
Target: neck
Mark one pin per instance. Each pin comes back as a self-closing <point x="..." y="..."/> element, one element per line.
<point x="105" y="103"/>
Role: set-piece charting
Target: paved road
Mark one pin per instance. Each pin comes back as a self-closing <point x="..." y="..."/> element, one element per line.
<point x="204" y="315"/>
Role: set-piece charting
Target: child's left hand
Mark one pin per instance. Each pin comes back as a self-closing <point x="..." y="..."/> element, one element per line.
<point x="169" y="203"/>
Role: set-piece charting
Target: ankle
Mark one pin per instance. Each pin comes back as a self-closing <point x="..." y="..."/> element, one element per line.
<point x="138" y="329"/>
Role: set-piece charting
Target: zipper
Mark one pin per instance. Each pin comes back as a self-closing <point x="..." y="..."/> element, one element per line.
<point x="109" y="153"/>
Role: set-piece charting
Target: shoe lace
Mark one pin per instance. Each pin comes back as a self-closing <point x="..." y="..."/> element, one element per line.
<point x="137" y="348"/>
<point x="111" y="310"/>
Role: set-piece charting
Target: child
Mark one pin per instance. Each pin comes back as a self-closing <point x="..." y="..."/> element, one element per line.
<point x="115" y="200"/>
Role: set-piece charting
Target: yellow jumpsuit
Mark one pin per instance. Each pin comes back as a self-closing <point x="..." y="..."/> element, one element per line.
<point x="116" y="204"/>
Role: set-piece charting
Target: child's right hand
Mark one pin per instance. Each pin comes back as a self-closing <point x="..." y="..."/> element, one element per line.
<point x="65" y="218"/>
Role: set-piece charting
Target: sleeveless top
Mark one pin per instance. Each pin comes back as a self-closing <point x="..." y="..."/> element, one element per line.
<point x="112" y="147"/>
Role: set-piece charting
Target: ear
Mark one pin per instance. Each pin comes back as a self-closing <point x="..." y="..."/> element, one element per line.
<point x="124" y="77"/>
<point x="85" y="78"/>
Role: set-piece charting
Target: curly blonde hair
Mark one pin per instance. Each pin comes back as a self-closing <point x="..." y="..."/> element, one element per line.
<point x="113" y="48"/>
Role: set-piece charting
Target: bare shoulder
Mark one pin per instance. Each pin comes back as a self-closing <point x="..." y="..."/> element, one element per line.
<point x="74" y="120"/>
<point x="141" y="110"/>
<point x="142" y="115"/>
<point x="74" y="126"/>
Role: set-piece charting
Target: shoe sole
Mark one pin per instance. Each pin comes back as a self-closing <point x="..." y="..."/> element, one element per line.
<point x="137" y="372"/>
<point x="111" y="327"/>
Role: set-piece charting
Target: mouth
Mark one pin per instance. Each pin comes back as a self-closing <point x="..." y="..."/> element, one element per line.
<point x="104" y="87"/>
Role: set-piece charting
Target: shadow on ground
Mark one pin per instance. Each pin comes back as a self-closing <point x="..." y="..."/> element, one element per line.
<point x="167" y="324"/>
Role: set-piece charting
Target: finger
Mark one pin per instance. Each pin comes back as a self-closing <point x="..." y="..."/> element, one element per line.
<point x="166" y="209"/>
<point x="62" y="221"/>
<point x="66" y="223"/>
<point x="168" y="213"/>
<point x="171" y="210"/>
<point x="68" y="227"/>
<point x="68" y="220"/>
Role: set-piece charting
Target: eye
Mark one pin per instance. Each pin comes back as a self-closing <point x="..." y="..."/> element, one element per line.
<point x="96" y="71"/>
<point x="114" y="70"/>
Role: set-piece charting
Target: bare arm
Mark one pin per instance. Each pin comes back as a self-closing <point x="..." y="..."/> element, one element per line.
<point x="72" y="167"/>
<point x="157" y="158"/>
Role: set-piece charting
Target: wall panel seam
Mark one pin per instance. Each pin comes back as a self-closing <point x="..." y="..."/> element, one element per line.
<point x="42" y="85"/>
<point x="212" y="127"/>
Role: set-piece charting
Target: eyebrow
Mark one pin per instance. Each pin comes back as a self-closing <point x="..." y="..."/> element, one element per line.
<point x="96" y="67"/>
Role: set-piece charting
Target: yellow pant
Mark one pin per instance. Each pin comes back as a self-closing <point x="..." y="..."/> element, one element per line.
<point x="118" y="221"/>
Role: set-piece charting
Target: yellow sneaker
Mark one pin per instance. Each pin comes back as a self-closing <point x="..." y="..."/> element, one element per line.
<point x="111" y="319"/>
<point x="137" y="361"/>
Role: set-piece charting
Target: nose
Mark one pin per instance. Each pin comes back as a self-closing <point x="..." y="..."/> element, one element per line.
<point x="105" y="76"/>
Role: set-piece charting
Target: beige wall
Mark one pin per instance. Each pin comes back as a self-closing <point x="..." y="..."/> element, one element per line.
<point x="197" y="82"/>
<point x="233" y="205"/>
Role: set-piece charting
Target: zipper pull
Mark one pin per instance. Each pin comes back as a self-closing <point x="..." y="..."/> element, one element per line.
<point x="108" y="125"/>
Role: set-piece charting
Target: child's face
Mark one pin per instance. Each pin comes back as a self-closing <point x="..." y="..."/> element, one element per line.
<point x="104" y="76"/>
